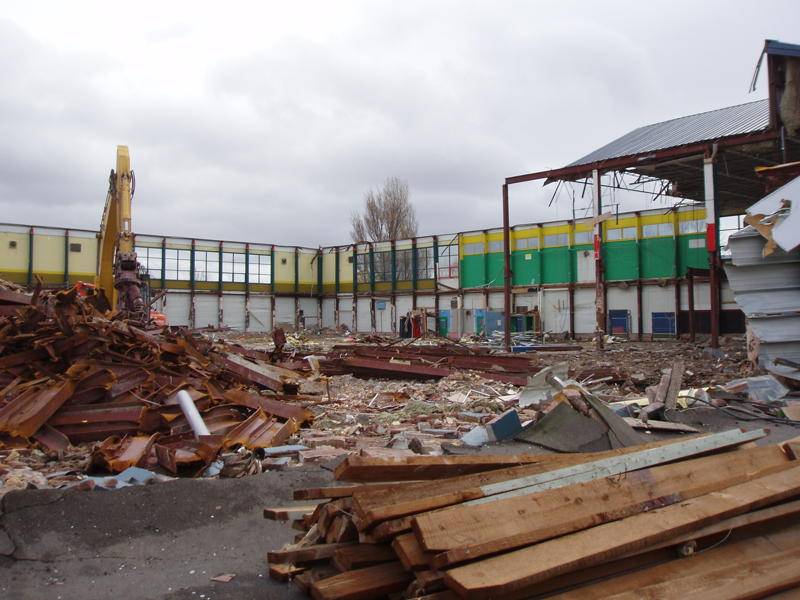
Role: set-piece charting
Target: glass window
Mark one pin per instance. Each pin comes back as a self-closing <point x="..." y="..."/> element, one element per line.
<point x="150" y="259"/>
<point x="403" y="264"/>
<point x="695" y="226"/>
<point x="526" y="243"/>
<point x="233" y="267"/>
<point x="425" y="263"/>
<point x="556" y="239"/>
<point x="657" y="230"/>
<point x="260" y="268"/>
<point x="583" y="237"/>
<point x="474" y="248"/>
<point x="448" y="260"/>
<point x="496" y="246"/>
<point x="362" y="268"/>
<point x="178" y="264"/>
<point x="621" y="233"/>
<point x="382" y="265"/>
<point x="206" y="265"/>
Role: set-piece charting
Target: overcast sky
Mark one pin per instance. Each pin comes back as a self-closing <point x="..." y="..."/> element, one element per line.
<point x="267" y="122"/>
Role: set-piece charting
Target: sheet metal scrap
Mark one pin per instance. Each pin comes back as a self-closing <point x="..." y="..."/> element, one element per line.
<point x="71" y="374"/>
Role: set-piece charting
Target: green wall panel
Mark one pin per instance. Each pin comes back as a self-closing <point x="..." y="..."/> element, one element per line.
<point x="658" y="257"/>
<point x="556" y="265"/>
<point x="620" y="260"/>
<point x="496" y="269"/>
<point x="696" y="258"/>
<point x="472" y="271"/>
<point x="526" y="272"/>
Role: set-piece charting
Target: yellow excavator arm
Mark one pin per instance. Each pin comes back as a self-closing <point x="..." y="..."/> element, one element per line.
<point x="117" y="268"/>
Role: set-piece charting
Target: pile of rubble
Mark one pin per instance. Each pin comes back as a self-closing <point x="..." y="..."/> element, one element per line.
<point x="70" y="375"/>
<point x="632" y="522"/>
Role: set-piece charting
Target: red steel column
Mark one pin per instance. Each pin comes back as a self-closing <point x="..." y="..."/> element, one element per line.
<point x="712" y="246"/>
<point x="506" y="273"/>
<point x="599" y="281"/>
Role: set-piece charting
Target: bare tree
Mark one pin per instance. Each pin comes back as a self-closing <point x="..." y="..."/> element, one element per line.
<point x="388" y="214"/>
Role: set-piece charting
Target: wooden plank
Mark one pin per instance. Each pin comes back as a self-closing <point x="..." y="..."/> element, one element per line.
<point x="339" y="491"/>
<point x="407" y="468"/>
<point x="518" y="570"/>
<point x="751" y="568"/>
<point x="739" y="527"/>
<point x="284" y="513"/>
<point x="410" y="552"/>
<point x="660" y="425"/>
<point x="467" y="532"/>
<point x="429" y="495"/>
<point x="284" y="572"/>
<point x="302" y="555"/>
<point x="357" y="556"/>
<point x="675" y="380"/>
<point x="370" y="582"/>
<point x="374" y="509"/>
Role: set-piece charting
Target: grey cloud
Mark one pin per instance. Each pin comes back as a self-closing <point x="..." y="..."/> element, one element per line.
<point x="279" y="145"/>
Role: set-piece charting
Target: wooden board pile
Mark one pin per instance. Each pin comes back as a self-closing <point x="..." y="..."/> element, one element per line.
<point x="71" y="374"/>
<point x="710" y="516"/>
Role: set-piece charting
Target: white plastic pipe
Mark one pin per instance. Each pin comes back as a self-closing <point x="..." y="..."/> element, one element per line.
<point x="192" y="414"/>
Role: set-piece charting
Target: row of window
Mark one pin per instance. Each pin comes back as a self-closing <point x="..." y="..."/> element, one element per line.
<point x="235" y="267"/>
<point x="585" y="237"/>
<point x="404" y="264"/>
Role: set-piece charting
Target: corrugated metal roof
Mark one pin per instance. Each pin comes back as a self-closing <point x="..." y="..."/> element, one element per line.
<point x="712" y="125"/>
<point x="781" y="48"/>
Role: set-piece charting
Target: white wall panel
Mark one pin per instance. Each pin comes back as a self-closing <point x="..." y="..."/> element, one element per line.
<point x="329" y="313"/>
<point x="585" y="265"/>
<point x="284" y="312"/>
<point x="206" y="310"/>
<point x="310" y="308"/>
<point x="364" y="324"/>
<point x="657" y="299"/>
<point x="624" y="299"/>
<point x="403" y="306"/>
<point x="474" y="300"/>
<point x="585" y="312"/>
<point x="176" y="307"/>
<point x="233" y="310"/>
<point x="426" y="301"/>
<point x="260" y="313"/>
<point x="555" y="312"/>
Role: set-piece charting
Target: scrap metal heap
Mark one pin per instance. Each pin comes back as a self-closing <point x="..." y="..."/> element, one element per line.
<point x="71" y="374"/>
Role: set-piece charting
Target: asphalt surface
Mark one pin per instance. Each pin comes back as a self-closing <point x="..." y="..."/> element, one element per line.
<point x="163" y="541"/>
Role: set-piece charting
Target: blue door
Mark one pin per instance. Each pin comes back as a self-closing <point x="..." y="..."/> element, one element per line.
<point x="663" y="323"/>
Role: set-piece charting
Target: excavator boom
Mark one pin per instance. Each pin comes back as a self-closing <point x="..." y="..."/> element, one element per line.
<point x="118" y="269"/>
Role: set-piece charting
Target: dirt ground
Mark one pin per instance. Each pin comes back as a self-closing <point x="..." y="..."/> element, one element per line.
<point x="157" y="542"/>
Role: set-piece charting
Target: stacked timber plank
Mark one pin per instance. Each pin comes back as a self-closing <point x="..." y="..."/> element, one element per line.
<point x="712" y="516"/>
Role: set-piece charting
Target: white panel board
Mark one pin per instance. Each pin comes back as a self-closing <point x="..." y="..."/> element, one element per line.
<point x="496" y="301"/>
<point x="176" y="307"/>
<point x="328" y="313"/>
<point x="426" y="301"/>
<point x="284" y="312"/>
<point x="702" y="301"/>
<point x="233" y="310"/>
<point x="260" y="313"/>
<point x="624" y="299"/>
<point x="310" y="308"/>
<point x="474" y="300"/>
<point x="585" y="266"/>
<point x="657" y="299"/>
<point x="555" y="312"/>
<point x="403" y="306"/>
<point x="585" y="312"/>
<point x="206" y="310"/>
<point x="364" y="324"/>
